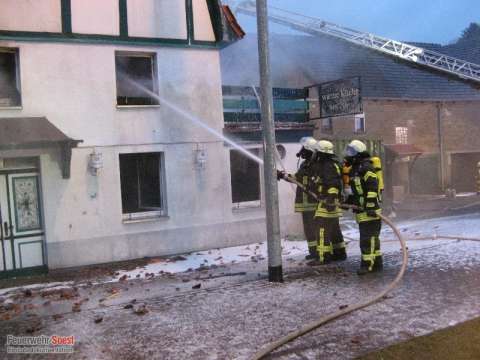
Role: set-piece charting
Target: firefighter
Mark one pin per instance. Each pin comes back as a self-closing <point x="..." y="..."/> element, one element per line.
<point x="328" y="178"/>
<point x="365" y="194"/>
<point x="304" y="203"/>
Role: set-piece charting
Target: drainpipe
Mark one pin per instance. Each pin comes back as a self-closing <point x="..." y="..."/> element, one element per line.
<point x="441" y="146"/>
<point x="270" y="172"/>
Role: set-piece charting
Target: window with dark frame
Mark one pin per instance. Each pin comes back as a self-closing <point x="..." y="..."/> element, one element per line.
<point x="141" y="182"/>
<point x="136" y="79"/>
<point x="10" y="94"/>
<point x="245" y="174"/>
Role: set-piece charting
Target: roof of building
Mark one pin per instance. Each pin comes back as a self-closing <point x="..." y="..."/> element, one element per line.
<point x="302" y="60"/>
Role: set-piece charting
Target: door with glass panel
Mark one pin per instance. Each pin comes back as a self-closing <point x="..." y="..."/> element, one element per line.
<point x="22" y="233"/>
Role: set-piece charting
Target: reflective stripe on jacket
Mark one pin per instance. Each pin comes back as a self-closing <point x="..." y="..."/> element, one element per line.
<point x="328" y="177"/>
<point x="303" y="201"/>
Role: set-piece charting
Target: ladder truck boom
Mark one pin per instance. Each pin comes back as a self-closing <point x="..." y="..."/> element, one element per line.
<point x="314" y="26"/>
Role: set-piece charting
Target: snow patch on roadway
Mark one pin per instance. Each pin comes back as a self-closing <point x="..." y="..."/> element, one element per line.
<point x="216" y="257"/>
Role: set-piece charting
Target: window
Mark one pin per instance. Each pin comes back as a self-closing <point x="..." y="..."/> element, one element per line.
<point x="245" y="175"/>
<point x="359" y="124"/>
<point x="136" y="79"/>
<point x="141" y="178"/>
<point x="401" y="135"/>
<point x="9" y="78"/>
<point x="327" y="125"/>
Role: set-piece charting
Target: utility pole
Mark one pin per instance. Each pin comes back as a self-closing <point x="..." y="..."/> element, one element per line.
<point x="275" y="273"/>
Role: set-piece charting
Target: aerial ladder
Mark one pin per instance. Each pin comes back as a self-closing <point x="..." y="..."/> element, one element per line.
<point x="410" y="53"/>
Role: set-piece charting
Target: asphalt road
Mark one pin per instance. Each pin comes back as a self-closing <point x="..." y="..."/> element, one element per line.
<point x="231" y="317"/>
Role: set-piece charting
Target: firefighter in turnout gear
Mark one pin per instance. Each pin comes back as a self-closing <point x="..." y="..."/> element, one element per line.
<point x="365" y="194"/>
<point x="328" y="180"/>
<point x="304" y="203"/>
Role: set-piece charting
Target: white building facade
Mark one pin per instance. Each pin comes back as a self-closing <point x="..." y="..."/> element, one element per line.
<point x="94" y="167"/>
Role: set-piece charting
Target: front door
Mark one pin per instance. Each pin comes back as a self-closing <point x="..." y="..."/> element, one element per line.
<point x="21" y="234"/>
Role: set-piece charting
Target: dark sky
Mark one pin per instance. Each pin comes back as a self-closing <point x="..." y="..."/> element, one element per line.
<point x="439" y="21"/>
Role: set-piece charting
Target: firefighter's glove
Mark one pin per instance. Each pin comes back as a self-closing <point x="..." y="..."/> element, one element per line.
<point x="330" y="207"/>
<point x="281" y="175"/>
<point x="371" y="213"/>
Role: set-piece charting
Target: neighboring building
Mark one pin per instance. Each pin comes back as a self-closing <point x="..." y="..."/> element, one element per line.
<point x="93" y="168"/>
<point x="423" y="118"/>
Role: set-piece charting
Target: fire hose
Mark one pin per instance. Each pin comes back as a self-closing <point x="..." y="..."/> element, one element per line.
<point x="322" y="321"/>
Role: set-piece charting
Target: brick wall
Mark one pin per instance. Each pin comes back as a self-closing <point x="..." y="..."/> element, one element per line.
<point x="460" y="124"/>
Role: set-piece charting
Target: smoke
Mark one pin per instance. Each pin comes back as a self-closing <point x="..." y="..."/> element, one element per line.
<point x="296" y="61"/>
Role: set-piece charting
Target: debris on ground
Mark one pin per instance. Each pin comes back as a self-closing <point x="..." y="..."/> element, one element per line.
<point x="57" y="317"/>
<point x="141" y="309"/>
<point x="178" y="258"/>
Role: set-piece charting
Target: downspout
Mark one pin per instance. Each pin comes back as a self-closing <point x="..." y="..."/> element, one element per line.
<point x="441" y="146"/>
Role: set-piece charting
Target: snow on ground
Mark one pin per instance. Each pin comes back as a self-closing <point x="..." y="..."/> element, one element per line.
<point x="461" y="225"/>
<point x="465" y="225"/>
<point x="217" y="257"/>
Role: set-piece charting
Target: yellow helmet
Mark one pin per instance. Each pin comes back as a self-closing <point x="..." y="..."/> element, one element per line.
<point x="325" y="146"/>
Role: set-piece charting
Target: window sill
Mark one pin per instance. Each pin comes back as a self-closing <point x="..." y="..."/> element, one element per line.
<point x="133" y="219"/>
<point x="126" y="107"/>
<point x="248" y="206"/>
<point x="11" y="107"/>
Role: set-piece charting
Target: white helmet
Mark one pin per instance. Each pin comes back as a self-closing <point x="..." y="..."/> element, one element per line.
<point x="355" y="147"/>
<point x="309" y="143"/>
<point x="325" y="146"/>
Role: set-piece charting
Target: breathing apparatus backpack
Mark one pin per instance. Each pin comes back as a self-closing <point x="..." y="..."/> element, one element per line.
<point x="377" y="165"/>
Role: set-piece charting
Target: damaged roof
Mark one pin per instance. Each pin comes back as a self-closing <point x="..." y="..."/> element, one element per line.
<point x="302" y="60"/>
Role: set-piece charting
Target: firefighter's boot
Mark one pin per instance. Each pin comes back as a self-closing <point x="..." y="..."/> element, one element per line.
<point x="327" y="258"/>
<point x="339" y="254"/>
<point x="313" y="255"/>
<point x="367" y="268"/>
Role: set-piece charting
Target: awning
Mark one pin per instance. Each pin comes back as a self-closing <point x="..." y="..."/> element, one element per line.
<point x="400" y="150"/>
<point x="36" y="132"/>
